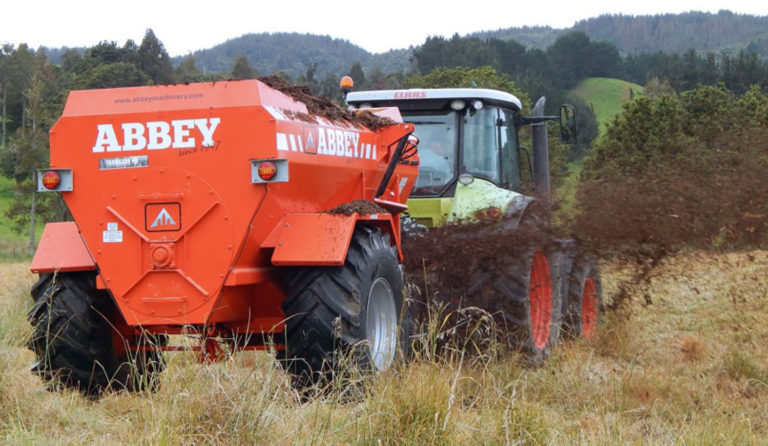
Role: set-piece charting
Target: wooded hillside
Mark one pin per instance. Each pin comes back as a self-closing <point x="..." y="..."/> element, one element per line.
<point x="675" y="33"/>
<point x="678" y="33"/>
<point x="293" y="53"/>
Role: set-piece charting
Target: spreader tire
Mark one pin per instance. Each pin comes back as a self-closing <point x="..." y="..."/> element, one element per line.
<point x="73" y="328"/>
<point x="72" y="337"/>
<point x="346" y="317"/>
<point x="585" y="298"/>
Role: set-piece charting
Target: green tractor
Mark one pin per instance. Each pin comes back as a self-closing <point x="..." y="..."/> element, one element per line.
<point x="472" y="169"/>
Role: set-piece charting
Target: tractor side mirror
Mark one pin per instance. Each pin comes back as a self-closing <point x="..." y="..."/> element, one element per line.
<point x="568" y="124"/>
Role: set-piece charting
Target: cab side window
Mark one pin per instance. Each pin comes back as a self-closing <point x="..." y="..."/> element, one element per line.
<point x="508" y="140"/>
<point x="481" y="150"/>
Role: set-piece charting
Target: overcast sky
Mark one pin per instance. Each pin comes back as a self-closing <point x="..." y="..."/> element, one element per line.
<point x="377" y="26"/>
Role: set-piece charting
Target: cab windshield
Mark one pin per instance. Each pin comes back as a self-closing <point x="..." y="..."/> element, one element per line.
<point x="489" y="149"/>
<point x="436" y="131"/>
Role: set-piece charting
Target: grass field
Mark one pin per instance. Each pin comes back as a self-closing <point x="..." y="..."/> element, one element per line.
<point x="691" y="367"/>
<point x="606" y="96"/>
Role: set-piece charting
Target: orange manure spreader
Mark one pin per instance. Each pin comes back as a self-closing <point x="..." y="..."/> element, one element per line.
<point x="247" y="213"/>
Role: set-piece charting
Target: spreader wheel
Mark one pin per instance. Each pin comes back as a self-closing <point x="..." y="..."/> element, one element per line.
<point x="75" y="341"/>
<point x="347" y="317"/>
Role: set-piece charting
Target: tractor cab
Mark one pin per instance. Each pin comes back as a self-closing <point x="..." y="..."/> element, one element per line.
<point x="470" y="158"/>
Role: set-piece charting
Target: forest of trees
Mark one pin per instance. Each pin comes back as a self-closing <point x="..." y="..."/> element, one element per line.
<point x="33" y="88"/>
<point x="574" y="57"/>
<point x="33" y="91"/>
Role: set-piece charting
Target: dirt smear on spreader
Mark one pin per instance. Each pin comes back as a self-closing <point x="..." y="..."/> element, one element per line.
<point x="361" y="207"/>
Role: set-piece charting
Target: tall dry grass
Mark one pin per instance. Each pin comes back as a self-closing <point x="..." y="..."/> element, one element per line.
<point x="690" y="368"/>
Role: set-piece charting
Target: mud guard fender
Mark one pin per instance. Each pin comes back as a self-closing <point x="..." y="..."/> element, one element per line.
<point x="62" y="249"/>
<point x="320" y="239"/>
<point x="521" y="208"/>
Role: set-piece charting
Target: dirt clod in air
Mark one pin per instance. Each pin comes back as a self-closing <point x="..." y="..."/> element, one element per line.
<point x="455" y="271"/>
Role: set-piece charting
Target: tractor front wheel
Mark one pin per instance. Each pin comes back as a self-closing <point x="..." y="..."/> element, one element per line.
<point x="532" y="303"/>
<point x="534" y="270"/>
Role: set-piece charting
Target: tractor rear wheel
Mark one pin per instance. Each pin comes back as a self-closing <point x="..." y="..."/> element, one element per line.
<point x="346" y="317"/>
<point x="75" y="341"/>
<point x="585" y="298"/>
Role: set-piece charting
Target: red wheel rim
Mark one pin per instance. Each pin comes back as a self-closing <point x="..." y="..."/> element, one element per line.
<point x="588" y="308"/>
<point x="541" y="300"/>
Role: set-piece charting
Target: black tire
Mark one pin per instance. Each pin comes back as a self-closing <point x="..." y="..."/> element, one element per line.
<point x="73" y="337"/>
<point x="525" y="283"/>
<point x="561" y="262"/>
<point x="566" y="255"/>
<point x="585" y="298"/>
<point x="146" y="363"/>
<point x="532" y="303"/>
<point x="329" y="314"/>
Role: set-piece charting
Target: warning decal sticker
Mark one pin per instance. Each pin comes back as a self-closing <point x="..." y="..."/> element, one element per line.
<point x="112" y="234"/>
